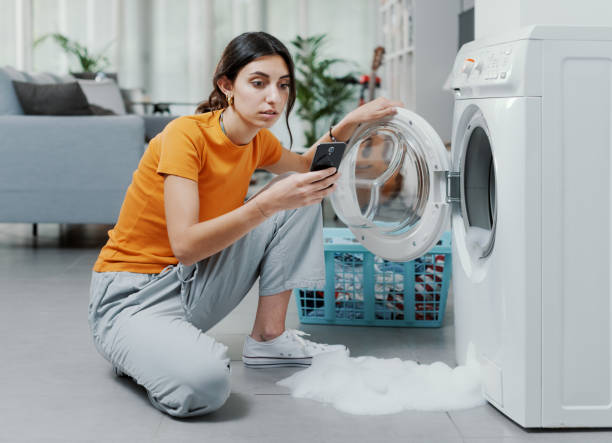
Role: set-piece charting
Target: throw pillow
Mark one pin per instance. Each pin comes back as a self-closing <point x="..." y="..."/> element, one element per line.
<point x="52" y="99"/>
<point x="9" y="103"/>
<point x="99" y="110"/>
<point x="104" y="93"/>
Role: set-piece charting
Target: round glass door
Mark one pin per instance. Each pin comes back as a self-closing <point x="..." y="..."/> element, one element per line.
<point x="392" y="189"/>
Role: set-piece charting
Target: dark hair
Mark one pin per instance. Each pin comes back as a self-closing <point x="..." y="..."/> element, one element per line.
<point x="241" y="51"/>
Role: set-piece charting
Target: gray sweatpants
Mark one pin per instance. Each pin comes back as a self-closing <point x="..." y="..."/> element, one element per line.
<point x="151" y="326"/>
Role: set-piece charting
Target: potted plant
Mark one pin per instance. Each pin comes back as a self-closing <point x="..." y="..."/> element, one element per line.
<point x="321" y="96"/>
<point x="91" y="64"/>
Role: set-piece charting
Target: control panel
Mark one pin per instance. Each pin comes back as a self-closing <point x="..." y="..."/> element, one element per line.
<point x="493" y="64"/>
<point x="511" y="69"/>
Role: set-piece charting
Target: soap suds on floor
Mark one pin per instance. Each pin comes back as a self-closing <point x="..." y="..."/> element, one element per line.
<point x="376" y="386"/>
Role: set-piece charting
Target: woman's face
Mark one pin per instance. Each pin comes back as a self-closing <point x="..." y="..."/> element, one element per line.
<point x="261" y="90"/>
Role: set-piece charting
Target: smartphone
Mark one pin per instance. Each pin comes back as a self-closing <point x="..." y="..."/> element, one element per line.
<point x="328" y="155"/>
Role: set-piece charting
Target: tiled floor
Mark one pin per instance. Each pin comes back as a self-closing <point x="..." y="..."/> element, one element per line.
<point x="56" y="388"/>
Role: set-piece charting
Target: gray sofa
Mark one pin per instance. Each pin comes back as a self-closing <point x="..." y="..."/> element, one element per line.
<point x="65" y="169"/>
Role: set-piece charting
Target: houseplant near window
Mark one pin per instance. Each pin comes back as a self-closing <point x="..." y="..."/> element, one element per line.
<point x="321" y="97"/>
<point x="90" y="63"/>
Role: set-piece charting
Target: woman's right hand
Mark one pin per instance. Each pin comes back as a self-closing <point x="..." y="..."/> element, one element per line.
<point x="297" y="190"/>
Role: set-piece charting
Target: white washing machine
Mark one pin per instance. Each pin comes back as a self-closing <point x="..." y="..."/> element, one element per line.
<point x="527" y="188"/>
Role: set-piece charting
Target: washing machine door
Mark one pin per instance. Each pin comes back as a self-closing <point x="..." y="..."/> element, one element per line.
<point x="392" y="188"/>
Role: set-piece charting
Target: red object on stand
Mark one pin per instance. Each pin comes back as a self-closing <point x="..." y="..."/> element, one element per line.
<point x="364" y="81"/>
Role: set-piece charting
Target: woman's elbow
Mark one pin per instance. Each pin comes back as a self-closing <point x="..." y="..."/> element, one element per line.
<point x="182" y="253"/>
<point x="186" y="261"/>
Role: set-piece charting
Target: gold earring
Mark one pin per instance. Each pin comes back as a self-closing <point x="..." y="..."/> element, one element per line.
<point x="230" y="99"/>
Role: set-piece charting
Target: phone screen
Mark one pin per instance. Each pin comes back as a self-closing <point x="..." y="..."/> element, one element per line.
<point x="328" y="155"/>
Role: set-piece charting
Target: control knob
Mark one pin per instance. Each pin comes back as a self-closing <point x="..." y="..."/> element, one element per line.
<point x="468" y="65"/>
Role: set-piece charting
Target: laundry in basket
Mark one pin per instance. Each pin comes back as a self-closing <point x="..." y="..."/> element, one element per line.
<point x="369" y="290"/>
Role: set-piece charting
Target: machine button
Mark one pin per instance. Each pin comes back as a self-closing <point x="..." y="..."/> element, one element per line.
<point x="467" y="66"/>
<point x="502" y="74"/>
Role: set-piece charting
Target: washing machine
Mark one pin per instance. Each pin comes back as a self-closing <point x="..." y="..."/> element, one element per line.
<point x="527" y="190"/>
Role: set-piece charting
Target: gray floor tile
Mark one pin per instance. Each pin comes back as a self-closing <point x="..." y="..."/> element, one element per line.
<point x="561" y="437"/>
<point x="57" y="388"/>
<point x="283" y="418"/>
<point x="259" y="381"/>
<point x="486" y="423"/>
<point x="52" y="405"/>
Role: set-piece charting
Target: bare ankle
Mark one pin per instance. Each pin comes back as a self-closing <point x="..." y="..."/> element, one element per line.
<point x="265" y="336"/>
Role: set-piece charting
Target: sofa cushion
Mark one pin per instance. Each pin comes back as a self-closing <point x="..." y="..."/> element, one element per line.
<point x="52" y="99"/>
<point x="104" y="93"/>
<point x="9" y="103"/>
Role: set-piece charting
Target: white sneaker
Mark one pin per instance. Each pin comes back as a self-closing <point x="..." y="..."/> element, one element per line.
<point x="288" y="349"/>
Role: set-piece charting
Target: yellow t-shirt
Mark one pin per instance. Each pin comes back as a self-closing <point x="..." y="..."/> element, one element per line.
<point x="196" y="148"/>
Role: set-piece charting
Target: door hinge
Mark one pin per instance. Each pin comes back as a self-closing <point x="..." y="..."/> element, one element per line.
<point x="453" y="187"/>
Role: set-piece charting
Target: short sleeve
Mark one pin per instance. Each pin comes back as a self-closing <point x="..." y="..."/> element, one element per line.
<point x="179" y="153"/>
<point x="270" y="149"/>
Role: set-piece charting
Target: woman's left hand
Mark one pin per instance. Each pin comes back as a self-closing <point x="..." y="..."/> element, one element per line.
<point x="369" y="112"/>
<point x="372" y="111"/>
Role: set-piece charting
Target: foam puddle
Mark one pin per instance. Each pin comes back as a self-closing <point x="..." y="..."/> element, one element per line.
<point x="376" y="386"/>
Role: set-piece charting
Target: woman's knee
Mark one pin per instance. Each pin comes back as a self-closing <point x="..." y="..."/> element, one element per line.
<point x="196" y="390"/>
<point x="303" y="213"/>
<point x="314" y="209"/>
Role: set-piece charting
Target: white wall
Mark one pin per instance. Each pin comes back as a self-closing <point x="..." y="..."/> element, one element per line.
<point x="420" y="38"/>
<point x="498" y="16"/>
<point x="170" y="47"/>
<point x="466" y="4"/>
<point x="92" y="23"/>
<point x="435" y="44"/>
<point x="8" y="30"/>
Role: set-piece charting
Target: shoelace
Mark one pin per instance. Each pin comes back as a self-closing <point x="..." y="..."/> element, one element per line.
<point x="297" y="336"/>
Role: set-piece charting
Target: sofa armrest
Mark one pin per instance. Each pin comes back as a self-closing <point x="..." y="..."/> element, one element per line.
<point x="67" y="169"/>
<point x="52" y="152"/>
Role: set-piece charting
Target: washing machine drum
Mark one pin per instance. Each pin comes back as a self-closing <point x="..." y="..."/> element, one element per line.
<point x="392" y="189"/>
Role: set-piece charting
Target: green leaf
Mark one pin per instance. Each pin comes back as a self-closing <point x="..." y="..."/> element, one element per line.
<point x="89" y="62"/>
<point x="321" y="98"/>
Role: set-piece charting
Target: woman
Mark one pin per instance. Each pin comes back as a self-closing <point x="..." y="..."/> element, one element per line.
<point x="186" y="247"/>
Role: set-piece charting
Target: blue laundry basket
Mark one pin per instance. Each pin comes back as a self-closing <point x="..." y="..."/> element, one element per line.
<point x="364" y="289"/>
